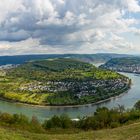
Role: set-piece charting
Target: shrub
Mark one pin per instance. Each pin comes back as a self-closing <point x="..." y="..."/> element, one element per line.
<point x="114" y="124"/>
<point x="58" y="122"/>
<point x="65" y="121"/>
<point x="35" y="125"/>
<point x="54" y="122"/>
<point x="137" y="105"/>
<point x="6" y="118"/>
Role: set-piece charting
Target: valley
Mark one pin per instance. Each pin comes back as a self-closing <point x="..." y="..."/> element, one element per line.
<point x="60" y="81"/>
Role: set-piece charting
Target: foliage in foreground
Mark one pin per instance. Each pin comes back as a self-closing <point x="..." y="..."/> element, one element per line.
<point x="20" y="121"/>
<point x="128" y="132"/>
<point x="102" y="118"/>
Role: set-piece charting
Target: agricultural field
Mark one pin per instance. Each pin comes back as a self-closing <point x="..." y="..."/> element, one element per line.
<point x="60" y="82"/>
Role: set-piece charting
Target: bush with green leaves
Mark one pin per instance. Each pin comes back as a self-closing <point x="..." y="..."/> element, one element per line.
<point x="102" y="118"/>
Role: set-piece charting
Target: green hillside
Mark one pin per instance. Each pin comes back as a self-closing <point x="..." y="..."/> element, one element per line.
<point x="129" y="132"/>
<point x="60" y="82"/>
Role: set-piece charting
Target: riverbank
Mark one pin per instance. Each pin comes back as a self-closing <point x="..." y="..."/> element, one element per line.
<point x="63" y="106"/>
<point x="138" y="73"/>
<point x="128" y="99"/>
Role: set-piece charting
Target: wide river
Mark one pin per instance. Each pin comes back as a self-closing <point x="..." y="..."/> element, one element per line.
<point x="128" y="100"/>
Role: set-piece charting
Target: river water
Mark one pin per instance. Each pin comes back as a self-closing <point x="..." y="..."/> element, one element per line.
<point x="128" y="100"/>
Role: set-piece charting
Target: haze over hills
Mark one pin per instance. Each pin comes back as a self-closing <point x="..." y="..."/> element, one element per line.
<point x="20" y="59"/>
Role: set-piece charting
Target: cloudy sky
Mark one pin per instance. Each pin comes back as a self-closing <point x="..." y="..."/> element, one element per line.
<point x="69" y="26"/>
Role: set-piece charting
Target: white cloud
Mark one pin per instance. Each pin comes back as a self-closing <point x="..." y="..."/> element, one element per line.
<point x="61" y="25"/>
<point x="132" y="5"/>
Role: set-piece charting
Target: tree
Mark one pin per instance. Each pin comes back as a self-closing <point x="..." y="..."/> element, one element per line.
<point x="65" y="121"/>
<point x="137" y="105"/>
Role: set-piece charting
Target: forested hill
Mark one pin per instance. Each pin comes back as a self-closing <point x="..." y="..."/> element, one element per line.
<point x="127" y="64"/>
<point x="62" y="81"/>
<point x="20" y="59"/>
<point x="55" y="65"/>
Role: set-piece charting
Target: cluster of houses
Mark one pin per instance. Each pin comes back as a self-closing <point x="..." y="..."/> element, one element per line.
<point x="106" y="86"/>
<point x="130" y="68"/>
<point x="8" y="66"/>
<point x="80" y="88"/>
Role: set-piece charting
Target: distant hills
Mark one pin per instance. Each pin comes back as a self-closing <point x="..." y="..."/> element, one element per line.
<point x="127" y="64"/>
<point x="20" y="59"/>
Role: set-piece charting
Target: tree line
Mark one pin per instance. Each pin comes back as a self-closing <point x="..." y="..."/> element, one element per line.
<point x="102" y="118"/>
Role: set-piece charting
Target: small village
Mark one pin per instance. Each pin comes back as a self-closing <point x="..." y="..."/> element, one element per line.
<point x="83" y="88"/>
<point x="132" y="69"/>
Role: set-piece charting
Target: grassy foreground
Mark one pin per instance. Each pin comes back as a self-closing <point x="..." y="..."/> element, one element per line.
<point x="129" y="132"/>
